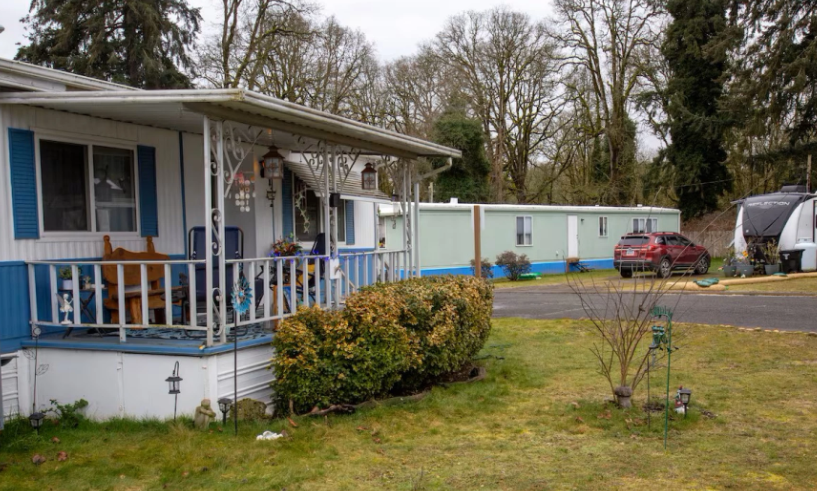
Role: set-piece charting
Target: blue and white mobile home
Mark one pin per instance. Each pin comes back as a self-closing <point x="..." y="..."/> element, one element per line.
<point x="157" y="172"/>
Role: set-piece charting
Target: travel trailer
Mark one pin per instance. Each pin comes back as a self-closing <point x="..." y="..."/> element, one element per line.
<point x="786" y="216"/>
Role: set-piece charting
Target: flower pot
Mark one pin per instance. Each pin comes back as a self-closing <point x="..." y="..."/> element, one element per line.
<point x="729" y="271"/>
<point x="772" y="269"/>
<point x="746" y="270"/>
<point x="67" y="284"/>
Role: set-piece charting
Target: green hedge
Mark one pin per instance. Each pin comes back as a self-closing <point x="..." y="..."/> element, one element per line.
<point x="402" y="334"/>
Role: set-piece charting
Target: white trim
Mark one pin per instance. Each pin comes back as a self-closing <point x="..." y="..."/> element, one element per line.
<point x="516" y="229"/>
<point x="89" y="142"/>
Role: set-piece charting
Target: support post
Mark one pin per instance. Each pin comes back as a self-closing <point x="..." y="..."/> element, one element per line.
<point x="208" y="234"/>
<point x="415" y="243"/>
<point x="327" y="236"/>
<point x="223" y="288"/>
<point x="477" y="243"/>
<point x="808" y="175"/>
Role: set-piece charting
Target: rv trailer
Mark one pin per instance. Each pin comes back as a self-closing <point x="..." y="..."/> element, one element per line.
<point x="786" y="216"/>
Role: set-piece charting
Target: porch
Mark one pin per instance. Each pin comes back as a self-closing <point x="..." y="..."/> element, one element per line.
<point x="185" y="299"/>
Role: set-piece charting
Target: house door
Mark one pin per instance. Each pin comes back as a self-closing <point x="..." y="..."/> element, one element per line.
<point x="572" y="236"/>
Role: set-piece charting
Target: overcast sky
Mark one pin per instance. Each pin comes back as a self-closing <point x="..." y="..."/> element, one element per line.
<point x="396" y="27"/>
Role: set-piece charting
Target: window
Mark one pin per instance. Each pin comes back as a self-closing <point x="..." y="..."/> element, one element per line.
<point x="82" y="194"/>
<point x="645" y="225"/>
<point x="524" y="234"/>
<point x="311" y="214"/>
<point x="602" y="226"/>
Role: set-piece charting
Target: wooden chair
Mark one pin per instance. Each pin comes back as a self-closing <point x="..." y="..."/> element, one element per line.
<point x="133" y="282"/>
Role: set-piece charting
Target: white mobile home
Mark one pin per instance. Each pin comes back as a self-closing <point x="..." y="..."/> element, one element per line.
<point x="551" y="236"/>
<point x="127" y="215"/>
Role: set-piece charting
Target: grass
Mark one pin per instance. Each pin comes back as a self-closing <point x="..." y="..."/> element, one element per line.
<point x="518" y="429"/>
<point x="802" y="285"/>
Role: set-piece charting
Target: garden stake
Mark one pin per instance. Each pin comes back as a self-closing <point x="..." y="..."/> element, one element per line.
<point x="663" y="337"/>
<point x="242" y="299"/>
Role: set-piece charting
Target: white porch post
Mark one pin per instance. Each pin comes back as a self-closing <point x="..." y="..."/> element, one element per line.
<point x="218" y="217"/>
<point x="327" y="236"/>
<point x="336" y="284"/>
<point x="415" y="243"/>
<point x="208" y="232"/>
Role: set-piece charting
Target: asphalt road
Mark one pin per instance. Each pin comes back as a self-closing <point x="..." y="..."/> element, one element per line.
<point x="765" y="311"/>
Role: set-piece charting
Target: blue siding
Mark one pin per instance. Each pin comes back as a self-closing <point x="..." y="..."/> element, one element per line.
<point x="550" y="267"/>
<point x="148" y="206"/>
<point x="14" y="305"/>
<point x="286" y="204"/>
<point x="23" y="173"/>
<point x="350" y="222"/>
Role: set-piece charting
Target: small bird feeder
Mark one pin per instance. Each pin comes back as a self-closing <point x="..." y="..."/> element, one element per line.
<point x="369" y="177"/>
<point x="224" y="405"/>
<point x="36" y="419"/>
<point x="272" y="165"/>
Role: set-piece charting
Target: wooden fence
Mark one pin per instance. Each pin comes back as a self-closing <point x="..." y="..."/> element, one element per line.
<point x="716" y="241"/>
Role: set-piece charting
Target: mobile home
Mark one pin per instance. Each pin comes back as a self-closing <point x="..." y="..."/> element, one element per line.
<point x="553" y="237"/>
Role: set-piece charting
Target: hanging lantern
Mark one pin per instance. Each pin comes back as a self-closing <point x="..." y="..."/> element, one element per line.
<point x="272" y="165"/>
<point x="369" y="177"/>
<point x="173" y="381"/>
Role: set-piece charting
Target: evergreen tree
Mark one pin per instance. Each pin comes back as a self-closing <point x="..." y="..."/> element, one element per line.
<point x="141" y="43"/>
<point x="468" y="177"/>
<point x="697" y="61"/>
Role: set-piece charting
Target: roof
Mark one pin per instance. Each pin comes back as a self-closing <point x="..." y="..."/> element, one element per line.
<point x="388" y="210"/>
<point x="25" y="76"/>
<point x="182" y="110"/>
<point x="352" y="187"/>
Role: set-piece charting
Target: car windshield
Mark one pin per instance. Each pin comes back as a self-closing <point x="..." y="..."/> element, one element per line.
<point x="633" y="240"/>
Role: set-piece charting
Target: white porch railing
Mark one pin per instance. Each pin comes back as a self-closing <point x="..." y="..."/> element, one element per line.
<point x="175" y="297"/>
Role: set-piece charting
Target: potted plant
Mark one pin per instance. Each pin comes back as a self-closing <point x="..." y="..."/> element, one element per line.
<point x="66" y="280"/>
<point x="772" y="252"/>
<point x="745" y="268"/>
<point x="729" y="263"/>
<point x="285" y="247"/>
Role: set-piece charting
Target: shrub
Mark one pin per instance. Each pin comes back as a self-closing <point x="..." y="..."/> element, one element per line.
<point x="513" y="264"/>
<point x="390" y="335"/>
<point x="487" y="268"/>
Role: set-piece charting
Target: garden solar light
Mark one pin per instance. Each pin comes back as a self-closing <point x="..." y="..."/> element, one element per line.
<point x="685" y="395"/>
<point x="224" y="405"/>
<point x="173" y="381"/>
<point x="36" y="420"/>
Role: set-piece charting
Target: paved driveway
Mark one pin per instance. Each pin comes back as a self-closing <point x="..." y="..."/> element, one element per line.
<point x="765" y="311"/>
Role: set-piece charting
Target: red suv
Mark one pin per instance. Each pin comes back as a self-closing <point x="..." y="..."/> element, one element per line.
<point x="660" y="252"/>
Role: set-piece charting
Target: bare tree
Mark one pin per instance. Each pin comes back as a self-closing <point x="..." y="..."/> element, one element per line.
<point x="604" y="39"/>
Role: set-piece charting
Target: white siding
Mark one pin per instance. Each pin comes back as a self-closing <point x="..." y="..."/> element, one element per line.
<point x="254" y="375"/>
<point x="11" y="394"/>
<point x="170" y="240"/>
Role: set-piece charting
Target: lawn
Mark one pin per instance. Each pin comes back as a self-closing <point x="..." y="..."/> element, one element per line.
<point x="802" y="285"/>
<point x="539" y="421"/>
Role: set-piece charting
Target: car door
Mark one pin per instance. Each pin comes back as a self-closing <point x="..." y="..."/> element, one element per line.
<point x="690" y="253"/>
<point x="673" y="249"/>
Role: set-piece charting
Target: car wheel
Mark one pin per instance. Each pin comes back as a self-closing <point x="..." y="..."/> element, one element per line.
<point x="703" y="265"/>
<point x="665" y="268"/>
<point x="626" y="273"/>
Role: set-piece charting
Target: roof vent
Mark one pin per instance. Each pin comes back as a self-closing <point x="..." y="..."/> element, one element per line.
<point x="455" y="201"/>
<point x="794" y="188"/>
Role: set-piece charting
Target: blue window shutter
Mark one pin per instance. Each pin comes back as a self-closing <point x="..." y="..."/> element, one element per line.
<point x="350" y="222"/>
<point x="148" y="205"/>
<point x="286" y="203"/>
<point x="23" y="173"/>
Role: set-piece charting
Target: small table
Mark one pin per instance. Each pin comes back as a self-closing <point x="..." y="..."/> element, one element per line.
<point x="84" y="304"/>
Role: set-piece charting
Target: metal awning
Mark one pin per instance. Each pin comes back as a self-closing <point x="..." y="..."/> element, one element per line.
<point x="182" y="110"/>
<point x="350" y="188"/>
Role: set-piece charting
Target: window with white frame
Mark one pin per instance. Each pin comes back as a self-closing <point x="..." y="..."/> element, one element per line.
<point x="524" y="231"/>
<point x="602" y="226"/>
<point x="645" y="225"/>
<point x="87" y="188"/>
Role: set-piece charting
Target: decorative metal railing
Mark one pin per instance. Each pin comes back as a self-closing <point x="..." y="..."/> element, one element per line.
<point x="171" y="294"/>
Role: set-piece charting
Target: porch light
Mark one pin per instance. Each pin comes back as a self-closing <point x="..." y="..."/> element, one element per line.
<point x="369" y="177"/>
<point x="224" y="405"/>
<point x="272" y="165"/>
<point x="36" y="419"/>
<point x="685" y="395"/>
